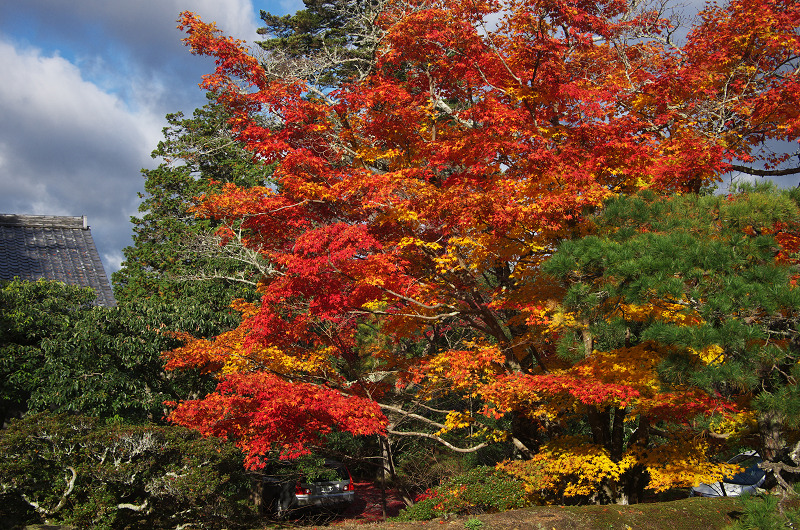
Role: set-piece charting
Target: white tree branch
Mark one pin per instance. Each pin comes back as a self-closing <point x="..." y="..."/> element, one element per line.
<point x="441" y="441"/>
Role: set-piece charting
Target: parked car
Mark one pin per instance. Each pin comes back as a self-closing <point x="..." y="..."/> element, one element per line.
<point x="746" y="481"/>
<point x="283" y="492"/>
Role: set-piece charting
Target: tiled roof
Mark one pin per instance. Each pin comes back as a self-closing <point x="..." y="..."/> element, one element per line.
<point x="54" y="248"/>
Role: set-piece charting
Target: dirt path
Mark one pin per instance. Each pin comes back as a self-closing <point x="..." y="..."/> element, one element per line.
<point x="685" y="514"/>
<point x="368" y="506"/>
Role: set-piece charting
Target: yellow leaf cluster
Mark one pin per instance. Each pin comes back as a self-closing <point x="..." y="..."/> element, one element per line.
<point x="664" y="311"/>
<point x="681" y="463"/>
<point x="735" y="423"/>
<point x="634" y="366"/>
<point x="491" y="435"/>
<point x="575" y="466"/>
<point x="416" y="242"/>
<point x="465" y="252"/>
<point x="710" y="354"/>
<point x="456" y="420"/>
<point x="277" y="361"/>
<point x="571" y="464"/>
<point x="374" y="305"/>
<point x="561" y="319"/>
<point x="445" y="263"/>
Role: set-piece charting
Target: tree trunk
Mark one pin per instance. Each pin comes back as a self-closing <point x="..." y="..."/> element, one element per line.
<point x="770" y="428"/>
<point x="773" y="444"/>
<point x="632" y="484"/>
<point x="524" y="430"/>
<point x="609" y="433"/>
<point x="599" y="423"/>
<point x="617" y="442"/>
<point x="387" y="458"/>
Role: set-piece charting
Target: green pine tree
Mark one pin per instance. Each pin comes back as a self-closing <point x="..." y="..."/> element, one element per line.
<point x="719" y="273"/>
<point x="176" y="258"/>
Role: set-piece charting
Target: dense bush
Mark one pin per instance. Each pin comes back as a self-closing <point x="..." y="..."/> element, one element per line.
<point x="77" y="470"/>
<point x="480" y="490"/>
<point x="59" y="353"/>
<point x="421" y="468"/>
<point x="32" y="313"/>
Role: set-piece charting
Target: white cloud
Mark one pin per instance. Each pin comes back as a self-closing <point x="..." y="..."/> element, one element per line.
<point x="67" y="147"/>
<point x="129" y="49"/>
<point x="234" y="17"/>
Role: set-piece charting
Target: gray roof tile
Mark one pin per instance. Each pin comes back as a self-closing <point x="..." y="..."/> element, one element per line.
<point x="54" y="248"/>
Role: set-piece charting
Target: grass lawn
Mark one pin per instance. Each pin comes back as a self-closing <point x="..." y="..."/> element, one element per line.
<point x="684" y="514"/>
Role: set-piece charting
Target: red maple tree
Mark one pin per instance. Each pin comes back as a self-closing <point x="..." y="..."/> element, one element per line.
<point x="414" y="207"/>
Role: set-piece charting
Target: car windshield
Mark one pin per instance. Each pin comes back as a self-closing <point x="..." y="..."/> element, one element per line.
<point x="330" y="473"/>
<point x="307" y="473"/>
<point x="751" y="474"/>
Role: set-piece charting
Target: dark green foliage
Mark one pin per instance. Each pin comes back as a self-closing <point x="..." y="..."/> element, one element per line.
<point x="353" y="451"/>
<point x="110" y="365"/>
<point x="307" y="468"/>
<point x="176" y="276"/>
<point x="60" y="353"/>
<point x="479" y="490"/>
<point x="77" y="470"/>
<point x="420" y="466"/>
<point x="31" y="314"/>
<point x="175" y="258"/>
<point x="15" y="513"/>
<point x="423" y="510"/>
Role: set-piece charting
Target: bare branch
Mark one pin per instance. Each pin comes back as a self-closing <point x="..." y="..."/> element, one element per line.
<point x="210" y="245"/>
<point x="777" y="468"/>
<point x="134" y="507"/>
<point x="407" y="414"/>
<point x="441" y="441"/>
<point x="426" y="407"/>
<point x="312" y="67"/>
<point x="70" y="485"/>
<point x="440" y="316"/>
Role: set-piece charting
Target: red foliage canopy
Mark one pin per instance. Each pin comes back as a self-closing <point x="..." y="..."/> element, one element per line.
<point x="421" y="200"/>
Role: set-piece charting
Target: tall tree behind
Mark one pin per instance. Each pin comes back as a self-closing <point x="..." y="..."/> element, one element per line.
<point x="31" y="312"/>
<point x="175" y="257"/>
<point x="60" y="353"/>
<point x="327" y="42"/>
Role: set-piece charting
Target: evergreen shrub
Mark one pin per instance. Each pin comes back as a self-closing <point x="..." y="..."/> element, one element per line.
<point x="80" y="471"/>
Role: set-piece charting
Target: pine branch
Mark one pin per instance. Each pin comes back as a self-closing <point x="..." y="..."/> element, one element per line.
<point x="766" y="172"/>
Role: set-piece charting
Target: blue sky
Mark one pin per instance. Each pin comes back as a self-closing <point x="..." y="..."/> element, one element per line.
<point x="86" y="86"/>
